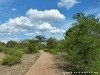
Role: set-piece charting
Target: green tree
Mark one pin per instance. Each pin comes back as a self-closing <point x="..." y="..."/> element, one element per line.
<point x="51" y="43"/>
<point x="11" y="43"/>
<point x="33" y="46"/>
<point x="83" y="43"/>
<point x="23" y="43"/>
<point x="41" y="39"/>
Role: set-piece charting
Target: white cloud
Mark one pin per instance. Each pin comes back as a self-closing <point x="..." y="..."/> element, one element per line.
<point x="98" y="16"/>
<point x="45" y="26"/>
<point x="9" y="38"/>
<point x="38" y="33"/>
<point x="46" y="15"/>
<point x="68" y="3"/>
<point x="57" y="31"/>
<point x="31" y="34"/>
<point x="14" y="9"/>
<point x="33" y="21"/>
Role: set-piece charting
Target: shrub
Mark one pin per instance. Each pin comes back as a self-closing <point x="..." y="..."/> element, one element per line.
<point x="8" y="51"/>
<point x="15" y="52"/>
<point x="51" y="43"/>
<point x="24" y="50"/>
<point x="13" y="56"/>
<point x="33" y="46"/>
<point x="32" y="49"/>
<point x="10" y="60"/>
<point x="53" y="51"/>
<point x="83" y="43"/>
<point x="18" y="53"/>
<point x="1" y="48"/>
<point x="11" y="44"/>
<point x="46" y="50"/>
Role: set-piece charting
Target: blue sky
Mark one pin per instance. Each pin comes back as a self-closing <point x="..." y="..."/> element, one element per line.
<point x="23" y="19"/>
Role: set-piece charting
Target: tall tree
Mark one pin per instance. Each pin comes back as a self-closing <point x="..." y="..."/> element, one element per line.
<point x="41" y="39"/>
<point x="11" y="43"/>
<point x="51" y="43"/>
<point x="32" y="46"/>
<point x="83" y="43"/>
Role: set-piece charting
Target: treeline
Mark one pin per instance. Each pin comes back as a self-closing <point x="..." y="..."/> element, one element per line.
<point x="14" y="50"/>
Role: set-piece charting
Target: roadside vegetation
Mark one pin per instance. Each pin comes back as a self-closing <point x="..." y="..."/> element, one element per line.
<point x="80" y="48"/>
<point x="14" y="50"/>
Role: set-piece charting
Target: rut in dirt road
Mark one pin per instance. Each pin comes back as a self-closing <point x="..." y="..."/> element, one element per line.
<point x="44" y="66"/>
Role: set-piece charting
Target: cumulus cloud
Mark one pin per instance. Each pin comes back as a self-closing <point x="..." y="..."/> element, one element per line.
<point x="57" y="31"/>
<point x="31" y="34"/>
<point x="45" y="16"/>
<point x="45" y="26"/>
<point x="68" y="3"/>
<point x="34" y="20"/>
<point x="98" y="16"/>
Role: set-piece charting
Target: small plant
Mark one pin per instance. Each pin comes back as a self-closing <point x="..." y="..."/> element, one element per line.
<point x="18" y="53"/>
<point x="10" y="60"/>
<point x="53" y="51"/>
<point x="1" y="48"/>
<point x="13" y="56"/>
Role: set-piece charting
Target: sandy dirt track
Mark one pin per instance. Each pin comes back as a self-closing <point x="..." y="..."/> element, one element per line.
<point x="44" y="66"/>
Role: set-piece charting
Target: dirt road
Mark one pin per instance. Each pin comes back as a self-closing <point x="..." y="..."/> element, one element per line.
<point x="44" y="66"/>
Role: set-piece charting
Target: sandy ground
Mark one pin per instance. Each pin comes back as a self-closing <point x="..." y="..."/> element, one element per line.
<point x="62" y="65"/>
<point x="45" y="65"/>
<point x="20" y="69"/>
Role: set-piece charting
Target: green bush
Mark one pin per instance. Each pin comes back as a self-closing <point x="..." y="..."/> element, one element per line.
<point x="53" y="51"/>
<point x="46" y="50"/>
<point x="8" y="51"/>
<point x="13" y="56"/>
<point x="33" y="47"/>
<point x="24" y="50"/>
<point x="10" y="60"/>
<point x="83" y="44"/>
<point x="1" y="48"/>
<point x="18" y="53"/>
<point x="15" y="52"/>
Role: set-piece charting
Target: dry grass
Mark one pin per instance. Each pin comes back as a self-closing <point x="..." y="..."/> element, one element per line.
<point x="20" y="69"/>
<point x="61" y="63"/>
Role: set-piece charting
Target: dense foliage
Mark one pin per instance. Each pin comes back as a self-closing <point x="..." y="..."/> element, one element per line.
<point x="83" y="43"/>
<point x="40" y="39"/>
<point x="10" y="60"/>
<point x="14" y="50"/>
<point x="51" y="43"/>
<point x="33" y="46"/>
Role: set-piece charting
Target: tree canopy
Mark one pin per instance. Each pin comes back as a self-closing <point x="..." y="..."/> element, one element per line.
<point x="83" y="43"/>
